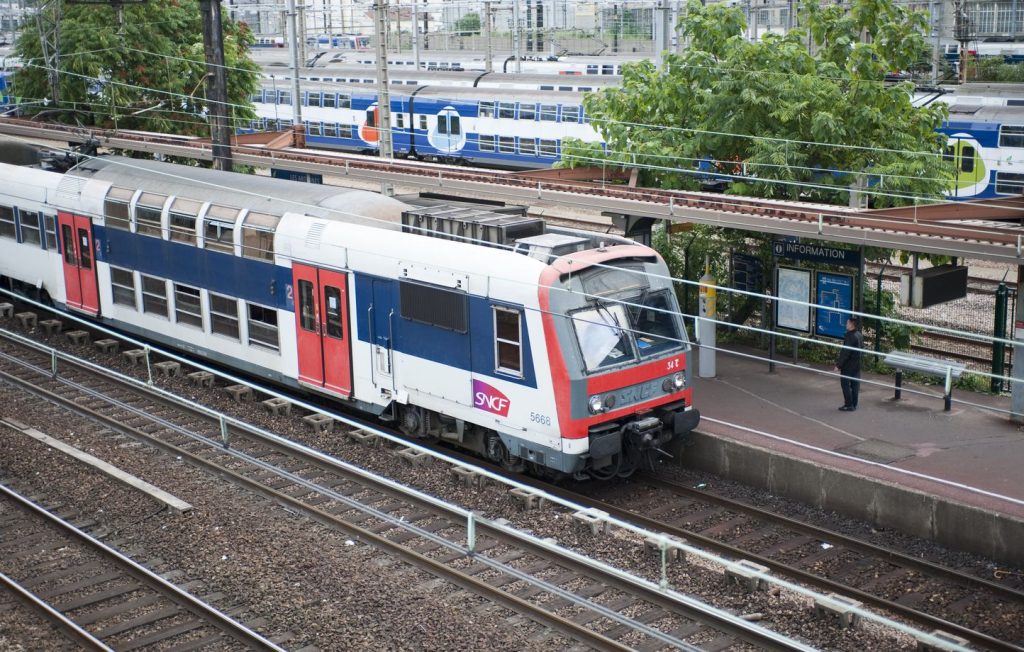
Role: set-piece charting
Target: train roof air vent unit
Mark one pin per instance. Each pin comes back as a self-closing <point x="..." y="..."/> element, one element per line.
<point x="485" y="226"/>
<point x="549" y="246"/>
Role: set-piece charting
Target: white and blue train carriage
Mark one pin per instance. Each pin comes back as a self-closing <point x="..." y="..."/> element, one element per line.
<point x="986" y="145"/>
<point x="490" y="127"/>
<point x="565" y="355"/>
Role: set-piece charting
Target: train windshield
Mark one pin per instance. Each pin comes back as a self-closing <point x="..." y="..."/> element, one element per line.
<point x="613" y="333"/>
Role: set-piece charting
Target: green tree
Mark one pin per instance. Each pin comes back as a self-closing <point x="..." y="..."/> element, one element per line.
<point x="786" y="122"/>
<point x="148" y="75"/>
<point x="468" y="24"/>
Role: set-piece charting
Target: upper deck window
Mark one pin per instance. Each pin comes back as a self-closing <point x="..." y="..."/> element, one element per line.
<point x="115" y="208"/>
<point x="219" y="228"/>
<point x="258" y="235"/>
<point x="147" y="213"/>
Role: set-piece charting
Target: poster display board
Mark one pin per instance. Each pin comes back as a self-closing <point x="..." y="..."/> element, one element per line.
<point x="794" y="284"/>
<point x="835" y="291"/>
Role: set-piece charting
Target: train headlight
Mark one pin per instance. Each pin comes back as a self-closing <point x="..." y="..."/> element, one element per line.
<point x="596" y="404"/>
<point x="674" y="384"/>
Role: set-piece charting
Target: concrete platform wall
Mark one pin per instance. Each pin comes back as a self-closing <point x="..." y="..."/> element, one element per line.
<point x="884" y="505"/>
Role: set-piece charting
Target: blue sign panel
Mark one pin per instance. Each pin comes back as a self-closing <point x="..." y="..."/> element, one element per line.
<point x="835" y="291"/>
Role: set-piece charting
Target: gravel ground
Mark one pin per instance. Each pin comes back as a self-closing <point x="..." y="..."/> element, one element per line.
<point x="781" y="611"/>
<point x="299" y="576"/>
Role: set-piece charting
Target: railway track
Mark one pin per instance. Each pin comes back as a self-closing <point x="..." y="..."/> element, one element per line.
<point x="99" y="598"/>
<point x="986" y="612"/>
<point x="598" y="606"/>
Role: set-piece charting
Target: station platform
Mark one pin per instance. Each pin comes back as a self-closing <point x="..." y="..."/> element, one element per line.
<point x="955" y="477"/>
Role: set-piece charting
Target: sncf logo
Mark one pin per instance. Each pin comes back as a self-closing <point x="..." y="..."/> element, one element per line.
<point x="490" y="399"/>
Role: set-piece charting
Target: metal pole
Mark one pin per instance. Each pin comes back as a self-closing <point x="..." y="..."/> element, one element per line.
<point x="878" y="310"/>
<point x="216" y="84"/>
<point x="302" y="34"/>
<point x="517" y="45"/>
<point x="1017" y="386"/>
<point x="999" y="331"/>
<point x="383" y="97"/>
<point x="416" y="34"/>
<point x="293" y="48"/>
<point x="488" y="46"/>
<point x="936" y="11"/>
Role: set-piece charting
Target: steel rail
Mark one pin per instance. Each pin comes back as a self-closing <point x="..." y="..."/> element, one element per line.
<point x="771" y="216"/>
<point x="182" y="598"/>
<point x="738" y="628"/>
<point x="800" y="574"/>
<point x="71" y="629"/>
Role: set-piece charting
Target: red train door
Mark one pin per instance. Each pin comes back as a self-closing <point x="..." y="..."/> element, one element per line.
<point x="322" y="327"/>
<point x="79" y="263"/>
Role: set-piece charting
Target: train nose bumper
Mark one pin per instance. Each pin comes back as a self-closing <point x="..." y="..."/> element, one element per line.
<point x="680" y="423"/>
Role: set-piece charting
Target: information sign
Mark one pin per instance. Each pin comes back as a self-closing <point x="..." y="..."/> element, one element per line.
<point x="793" y="284"/>
<point x="835" y="291"/>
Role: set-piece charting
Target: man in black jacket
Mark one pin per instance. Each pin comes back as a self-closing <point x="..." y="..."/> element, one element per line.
<point x="848" y="364"/>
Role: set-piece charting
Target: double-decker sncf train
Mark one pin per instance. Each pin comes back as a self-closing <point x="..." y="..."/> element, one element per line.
<point x="545" y="349"/>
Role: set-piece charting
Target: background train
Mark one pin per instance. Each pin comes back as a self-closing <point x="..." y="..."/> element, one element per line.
<point x="546" y="349"/>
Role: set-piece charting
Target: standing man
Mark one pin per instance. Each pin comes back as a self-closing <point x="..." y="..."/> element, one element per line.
<point x="848" y="364"/>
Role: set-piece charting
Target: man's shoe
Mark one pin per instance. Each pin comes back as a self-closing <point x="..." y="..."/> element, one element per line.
<point x="847" y="408"/>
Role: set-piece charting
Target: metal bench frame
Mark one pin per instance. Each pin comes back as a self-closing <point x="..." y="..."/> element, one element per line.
<point x="902" y="361"/>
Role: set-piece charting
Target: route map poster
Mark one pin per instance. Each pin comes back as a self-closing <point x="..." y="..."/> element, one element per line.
<point x="793" y="284"/>
<point x="835" y="291"/>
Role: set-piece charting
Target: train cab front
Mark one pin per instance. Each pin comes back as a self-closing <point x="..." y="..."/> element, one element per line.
<point x="620" y="356"/>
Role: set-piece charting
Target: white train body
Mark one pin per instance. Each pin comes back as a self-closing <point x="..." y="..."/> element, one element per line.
<point x="569" y="364"/>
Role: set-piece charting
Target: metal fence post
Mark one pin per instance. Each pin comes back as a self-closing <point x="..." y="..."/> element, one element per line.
<point x="999" y="331"/>
<point x="878" y="310"/>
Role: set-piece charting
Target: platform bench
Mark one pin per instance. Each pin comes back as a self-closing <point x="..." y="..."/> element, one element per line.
<point x="902" y="361"/>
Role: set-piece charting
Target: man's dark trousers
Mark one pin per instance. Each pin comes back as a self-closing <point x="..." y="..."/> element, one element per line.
<point x="850" y="383"/>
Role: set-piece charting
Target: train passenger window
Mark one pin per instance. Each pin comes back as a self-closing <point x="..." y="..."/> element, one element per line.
<point x="307" y="307"/>
<point x="528" y="111"/>
<point x="285" y="125"/>
<point x="423" y="122"/>
<point x="7" y="228"/>
<point x="344" y="131"/>
<point x="147" y="213"/>
<point x="507" y="144"/>
<point x="115" y="208"/>
<point x="182" y="219"/>
<point x="122" y="287"/>
<point x="528" y="146"/>
<point x="570" y="114"/>
<point x="30" y="233"/>
<point x="329" y="100"/>
<point x="371" y="117"/>
<point x="565" y="89"/>
<point x="1010" y="183"/>
<point x="453" y="125"/>
<point x="263" y="326"/>
<point x="592" y="69"/>
<point x="508" y="350"/>
<point x="584" y="89"/>
<point x="257" y="97"/>
<point x="507" y="110"/>
<point x="486" y="143"/>
<point x="967" y="158"/>
<point x="486" y="110"/>
<point x="1011" y="136"/>
<point x="188" y="308"/>
<point x="547" y="87"/>
<point x="549" y="112"/>
<point x="608" y="69"/>
<point x="313" y="128"/>
<point x="50" y="225"/>
<point x="400" y="120"/>
<point x="154" y="295"/>
<point x="332" y="312"/>
<point x="284" y="97"/>
<point x="433" y="305"/>
<point x="223" y="315"/>
<point x="548" y="147"/>
<point x="258" y="235"/>
<point x="219" y="228"/>
<point x="313" y="99"/>
<point x="330" y="130"/>
<point x="68" y="236"/>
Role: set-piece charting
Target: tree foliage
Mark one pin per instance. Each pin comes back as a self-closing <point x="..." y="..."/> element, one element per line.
<point x="468" y="24"/>
<point x="806" y="115"/>
<point x="148" y="75"/>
